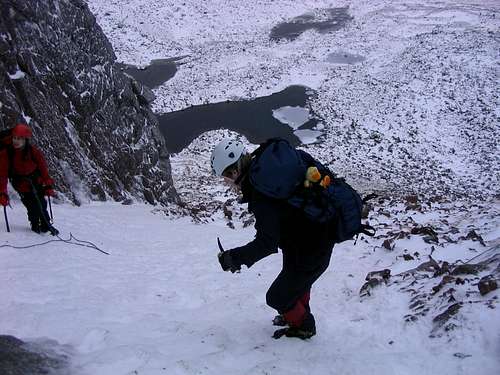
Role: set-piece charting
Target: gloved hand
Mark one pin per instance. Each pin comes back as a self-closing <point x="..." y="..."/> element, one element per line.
<point x="227" y="263"/>
<point x="49" y="191"/>
<point x="4" y="199"/>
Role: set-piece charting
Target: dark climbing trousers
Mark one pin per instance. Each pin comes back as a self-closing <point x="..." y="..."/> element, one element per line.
<point x="37" y="210"/>
<point x="289" y="294"/>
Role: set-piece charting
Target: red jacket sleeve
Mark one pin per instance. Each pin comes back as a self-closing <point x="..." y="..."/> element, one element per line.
<point x="4" y="171"/>
<point x="42" y="167"/>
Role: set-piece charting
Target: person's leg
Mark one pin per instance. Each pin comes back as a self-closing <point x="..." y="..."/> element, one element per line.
<point x="283" y="296"/>
<point x="286" y="289"/>
<point x="44" y="215"/>
<point x="305" y="298"/>
<point x="279" y="320"/>
<point x="29" y="201"/>
<point x="299" y="314"/>
<point x="289" y="294"/>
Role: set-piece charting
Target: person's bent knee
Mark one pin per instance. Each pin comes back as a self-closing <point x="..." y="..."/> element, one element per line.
<point x="273" y="299"/>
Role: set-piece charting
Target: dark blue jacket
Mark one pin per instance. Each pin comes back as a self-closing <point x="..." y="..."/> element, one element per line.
<point x="279" y="225"/>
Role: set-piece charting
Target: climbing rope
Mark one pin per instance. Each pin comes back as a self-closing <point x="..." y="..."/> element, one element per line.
<point x="72" y="240"/>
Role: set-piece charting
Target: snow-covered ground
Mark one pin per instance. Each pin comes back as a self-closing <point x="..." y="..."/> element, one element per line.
<point x="419" y="114"/>
<point x="160" y="304"/>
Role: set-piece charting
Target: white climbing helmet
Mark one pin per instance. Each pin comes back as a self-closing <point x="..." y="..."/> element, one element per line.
<point x="226" y="153"/>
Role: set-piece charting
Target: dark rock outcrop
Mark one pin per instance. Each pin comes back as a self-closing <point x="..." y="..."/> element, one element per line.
<point x="374" y="279"/>
<point x="19" y="358"/>
<point x="93" y="122"/>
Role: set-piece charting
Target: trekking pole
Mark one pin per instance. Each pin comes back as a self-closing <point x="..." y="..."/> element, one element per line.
<point x="6" y="219"/>
<point x="50" y="210"/>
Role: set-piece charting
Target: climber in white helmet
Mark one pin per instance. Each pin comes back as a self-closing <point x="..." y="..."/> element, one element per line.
<point x="306" y="246"/>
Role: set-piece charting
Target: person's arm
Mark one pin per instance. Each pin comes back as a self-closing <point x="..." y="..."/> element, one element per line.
<point x="4" y="171"/>
<point x="267" y="224"/>
<point x="45" y="180"/>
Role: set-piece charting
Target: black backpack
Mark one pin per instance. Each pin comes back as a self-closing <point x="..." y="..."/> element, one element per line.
<point x="5" y="138"/>
<point x="280" y="171"/>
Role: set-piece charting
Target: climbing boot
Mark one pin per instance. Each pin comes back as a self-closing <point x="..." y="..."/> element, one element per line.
<point x="279" y="320"/>
<point x="305" y="331"/>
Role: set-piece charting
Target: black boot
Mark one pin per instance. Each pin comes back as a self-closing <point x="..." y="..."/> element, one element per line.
<point x="53" y="231"/>
<point x="35" y="228"/>
<point x="44" y="228"/>
<point x="279" y="320"/>
<point x="47" y="227"/>
<point x="306" y="330"/>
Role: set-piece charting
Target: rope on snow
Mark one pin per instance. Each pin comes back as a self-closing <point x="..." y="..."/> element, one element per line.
<point x="71" y="240"/>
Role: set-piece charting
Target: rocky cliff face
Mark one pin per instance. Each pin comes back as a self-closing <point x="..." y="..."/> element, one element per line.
<point x="93" y="122"/>
<point x="18" y="357"/>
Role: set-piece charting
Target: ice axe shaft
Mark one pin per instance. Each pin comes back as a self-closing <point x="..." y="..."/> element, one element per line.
<point x="220" y="245"/>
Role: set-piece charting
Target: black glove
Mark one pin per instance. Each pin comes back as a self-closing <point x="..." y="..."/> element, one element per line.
<point x="227" y="263"/>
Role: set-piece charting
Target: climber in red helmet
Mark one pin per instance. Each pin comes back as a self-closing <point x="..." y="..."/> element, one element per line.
<point x="24" y="165"/>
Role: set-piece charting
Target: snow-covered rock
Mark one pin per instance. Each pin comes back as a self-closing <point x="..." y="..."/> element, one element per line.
<point x="94" y="123"/>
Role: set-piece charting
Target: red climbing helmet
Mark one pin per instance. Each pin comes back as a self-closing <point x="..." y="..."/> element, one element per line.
<point x="22" y="131"/>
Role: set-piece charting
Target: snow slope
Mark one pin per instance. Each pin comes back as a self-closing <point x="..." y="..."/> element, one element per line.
<point x="160" y="304"/>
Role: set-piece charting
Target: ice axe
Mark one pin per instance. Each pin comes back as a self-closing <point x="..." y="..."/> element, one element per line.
<point x="220" y="246"/>
<point x="231" y="267"/>
<point x="221" y="251"/>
